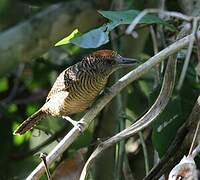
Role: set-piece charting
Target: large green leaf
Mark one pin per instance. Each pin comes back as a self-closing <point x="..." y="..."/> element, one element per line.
<point x="94" y="38"/>
<point x="166" y="125"/>
<point x="126" y="17"/>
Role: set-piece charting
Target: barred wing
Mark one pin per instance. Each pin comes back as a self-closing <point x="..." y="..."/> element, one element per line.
<point x="63" y="81"/>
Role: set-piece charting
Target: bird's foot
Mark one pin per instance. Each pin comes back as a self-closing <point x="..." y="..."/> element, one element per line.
<point x="81" y="126"/>
<point x="105" y="91"/>
<point x="78" y="124"/>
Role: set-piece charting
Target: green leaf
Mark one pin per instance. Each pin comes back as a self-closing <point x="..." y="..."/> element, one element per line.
<point x="166" y="125"/>
<point x="126" y="17"/>
<point x="67" y="39"/>
<point x="100" y="36"/>
<point x="95" y="38"/>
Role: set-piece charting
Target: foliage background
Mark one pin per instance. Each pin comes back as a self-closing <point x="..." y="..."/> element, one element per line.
<point x="24" y="86"/>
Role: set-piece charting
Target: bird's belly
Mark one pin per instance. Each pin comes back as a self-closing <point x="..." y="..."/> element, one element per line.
<point x="56" y="104"/>
<point x="79" y="103"/>
<point x="76" y="99"/>
<point x="81" y="97"/>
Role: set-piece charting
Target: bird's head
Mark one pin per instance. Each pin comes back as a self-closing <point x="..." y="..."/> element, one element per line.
<point x="109" y="60"/>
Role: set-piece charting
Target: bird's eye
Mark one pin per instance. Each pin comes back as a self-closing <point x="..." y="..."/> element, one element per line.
<point x="111" y="62"/>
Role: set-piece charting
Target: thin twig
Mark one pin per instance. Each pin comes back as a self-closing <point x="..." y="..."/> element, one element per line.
<point x="144" y="148"/>
<point x="137" y="19"/>
<point x="127" y="170"/>
<point x="155" y="48"/>
<point x="145" y="120"/>
<point x="187" y="59"/>
<point x="197" y="40"/>
<point x="43" y="157"/>
<point x="154" y="40"/>
<point x="120" y="153"/>
<point x="101" y="102"/>
<point x="196" y="151"/>
<point x="160" y="31"/>
<point x="194" y="138"/>
<point x="161" y="7"/>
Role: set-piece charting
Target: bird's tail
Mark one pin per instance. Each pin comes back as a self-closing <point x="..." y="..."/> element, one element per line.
<point x="30" y="122"/>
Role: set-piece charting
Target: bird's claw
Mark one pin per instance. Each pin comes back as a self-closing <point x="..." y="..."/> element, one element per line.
<point x="105" y="91"/>
<point x="79" y="125"/>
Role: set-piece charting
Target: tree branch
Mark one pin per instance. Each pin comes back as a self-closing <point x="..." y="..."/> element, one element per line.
<point x="137" y="19"/>
<point x="101" y="102"/>
<point x="35" y="36"/>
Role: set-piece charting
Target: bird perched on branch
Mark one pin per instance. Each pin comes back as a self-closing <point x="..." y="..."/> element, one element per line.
<point x="76" y="88"/>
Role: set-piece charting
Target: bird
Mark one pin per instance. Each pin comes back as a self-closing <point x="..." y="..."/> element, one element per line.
<point x="77" y="87"/>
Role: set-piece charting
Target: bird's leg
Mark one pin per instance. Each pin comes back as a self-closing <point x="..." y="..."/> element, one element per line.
<point x="75" y="123"/>
<point x="106" y="90"/>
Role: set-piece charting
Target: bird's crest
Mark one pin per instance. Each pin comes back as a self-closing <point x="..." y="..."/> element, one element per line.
<point x="104" y="53"/>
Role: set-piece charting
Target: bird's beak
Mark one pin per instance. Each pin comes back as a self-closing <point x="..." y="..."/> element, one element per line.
<point x="123" y="61"/>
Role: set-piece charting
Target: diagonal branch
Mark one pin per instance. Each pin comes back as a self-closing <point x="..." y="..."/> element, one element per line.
<point x="35" y="36"/>
<point x="101" y="102"/>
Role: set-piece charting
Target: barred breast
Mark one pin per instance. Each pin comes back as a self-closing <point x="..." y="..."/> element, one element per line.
<point x="77" y="96"/>
<point x="75" y="90"/>
<point x="82" y="93"/>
